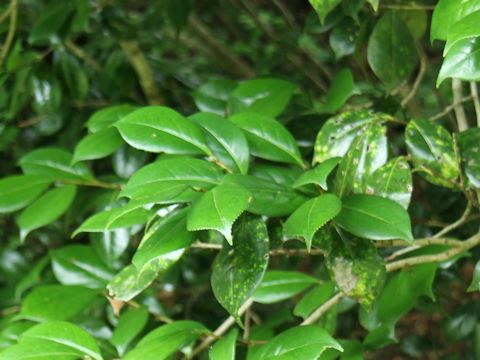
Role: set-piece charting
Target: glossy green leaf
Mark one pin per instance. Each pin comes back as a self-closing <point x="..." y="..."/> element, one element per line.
<point x="268" y="139"/>
<point x="79" y="265"/>
<point x="280" y="285"/>
<point x="300" y="342"/>
<point x="46" y="209"/>
<point x="366" y="154"/>
<point x="323" y="7"/>
<point x="448" y="13"/>
<point x="160" y="129"/>
<point x="224" y="349"/>
<point x="213" y="96"/>
<point x="98" y="145"/>
<point x="54" y="163"/>
<point x="311" y="216"/>
<point x="56" y="302"/>
<point x="164" y="341"/>
<point x="108" y="116"/>
<point x="318" y="175"/>
<point x="462" y="61"/>
<point x="313" y="299"/>
<point x="373" y="217"/>
<point x="469" y="143"/>
<point x="341" y="89"/>
<point x="225" y="140"/>
<point x="338" y="133"/>
<point x="130" y="324"/>
<point x="18" y="191"/>
<point x="269" y="198"/>
<point x="284" y="175"/>
<point x="392" y="181"/>
<point x="238" y="271"/>
<point x="218" y="209"/>
<point x="475" y="284"/>
<point x="431" y="147"/>
<point x="391" y="50"/>
<point x="269" y="97"/>
<point x="170" y="180"/>
<point x="110" y="245"/>
<point x="466" y="28"/>
<point x="54" y="340"/>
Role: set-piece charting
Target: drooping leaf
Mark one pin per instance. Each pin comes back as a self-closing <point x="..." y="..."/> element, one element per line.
<point x="337" y="134"/>
<point x="342" y="88"/>
<point x="164" y="341"/>
<point x="313" y="299"/>
<point x="238" y="271"/>
<point x="46" y="209"/>
<point x="218" y="209"/>
<point x="225" y="140"/>
<point x="324" y="7"/>
<point x="311" y="216"/>
<point x="462" y="61"/>
<point x="160" y="129"/>
<point x="278" y="285"/>
<point x="268" y="139"/>
<point x="375" y="218"/>
<point x="300" y="342"/>
<point x="224" y="349"/>
<point x="98" y="145"/>
<point x="18" y="191"/>
<point x="213" y="96"/>
<point x="318" y="175"/>
<point x="54" y="340"/>
<point x="431" y="148"/>
<point x="269" y="97"/>
<point x="54" y="163"/>
<point x="79" y="265"/>
<point x="469" y="143"/>
<point x="130" y="324"/>
<point x="108" y="116"/>
<point x="448" y="13"/>
<point x="392" y="181"/>
<point x="391" y="50"/>
<point x="56" y="302"/>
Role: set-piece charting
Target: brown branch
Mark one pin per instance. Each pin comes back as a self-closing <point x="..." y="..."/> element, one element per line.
<point x="456" y="224"/>
<point x="449" y="108"/>
<point x="320" y="311"/>
<point x="418" y="80"/>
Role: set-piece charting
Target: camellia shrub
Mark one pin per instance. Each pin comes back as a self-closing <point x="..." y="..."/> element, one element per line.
<point x="176" y="187"/>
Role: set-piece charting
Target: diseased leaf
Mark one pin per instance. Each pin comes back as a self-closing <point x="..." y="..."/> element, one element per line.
<point x="462" y="61"/>
<point x="324" y="7"/>
<point x="130" y="324"/>
<point x="392" y="181"/>
<point x="268" y="139"/>
<point x="224" y="349"/>
<point x="130" y="282"/>
<point x="375" y="218"/>
<point x="218" y="209"/>
<point x="278" y="285"/>
<point x="431" y="147"/>
<point x="311" y="216"/>
<point x="238" y="271"/>
<point x="448" y="13"/>
<point x="469" y="143"/>
<point x="225" y="140"/>
<point x="18" y="191"/>
<point x="98" y="145"/>
<point x="160" y="129"/>
<point x="108" y="116"/>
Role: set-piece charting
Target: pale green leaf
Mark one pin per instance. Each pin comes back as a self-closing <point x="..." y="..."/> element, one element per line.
<point x="18" y="191"/>
<point x="98" y="145"/>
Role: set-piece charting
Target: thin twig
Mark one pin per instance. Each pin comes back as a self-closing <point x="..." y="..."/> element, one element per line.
<point x="407" y="7"/>
<point x="273" y="252"/>
<point x="318" y="313"/>
<point x="6" y="13"/>
<point x="11" y="31"/>
<point x="476" y="100"/>
<point x="456" y="224"/>
<point x="418" y="80"/>
<point x="82" y="54"/>
<point x="450" y="108"/>
<point x="457" y="90"/>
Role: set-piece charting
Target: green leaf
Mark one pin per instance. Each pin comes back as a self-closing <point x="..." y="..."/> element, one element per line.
<point x="268" y="139"/>
<point x="213" y="96"/>
<point x="98" y="145"/>
<point x="130" y="324"/>
<point x="475" y="284"/>
<point x="269" y="198"/>
<point x="313" y="299"/>
<point x="367" y="153"/>
<point x="46" y="209"/>
<point x="284" y="175"/>
<point x="342" y="40"/>
<point x="54" y="340"/>
<point x="391" y="50"/>
<point x="374" y="4"/>
<point x="466" y="28"/>
<point x="33" y="277"/>
<point x="225" y="140"/>
<point x="130" y="282"/>
<point x="462" y="61"/>
<point x="341" y="89"/>
<point x="431" y="147"/>
<point x="269" y="97"/>
<point x="79" y="265"/>
<point x="56" y="302"/>
<point x="160" y="129"/>
<point x="392" y="181"/>
<point x="324" y="7"/>
<point x="300" y="342"/>
<point x="468" y="142"/>
<point x="218" y="209"/>
<point x="318" y="175"/>
<point x="164" y="341"/>
<point x="104" y="118"/>
<point x="54" y="163"/>
<point x="338" y="133"/>
<point x="448" y="13"/>
<point x="278" y="285"/>
<point x="224" y="349"/>
<point x="238" y="271"/>
<point x="311" y="216"/>
<point x="48" y="25"/>
<point x="18" y="191"/>
<point x="373" y="217"/>
<point x="169" y="181"/>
